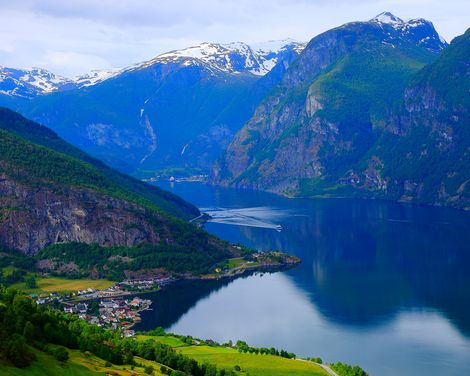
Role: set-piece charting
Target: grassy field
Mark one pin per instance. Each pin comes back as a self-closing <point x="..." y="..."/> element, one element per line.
<point x="228" y="358"/>
<point x="77" y="365"/>
<point x="236" y="262"/>
<point x="80" y="364"/>
<point x="54" y="284"/>
<point x="46" y="365"/>
<point x="167" y="340"/>
<point x="254" y="365"/>
<point x="94" y="364"/>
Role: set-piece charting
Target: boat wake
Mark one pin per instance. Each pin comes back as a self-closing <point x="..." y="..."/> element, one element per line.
<point x="261" y="216"/>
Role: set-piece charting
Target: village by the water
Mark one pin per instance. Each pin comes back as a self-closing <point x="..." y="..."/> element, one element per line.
<point x="118" y="307"/>
<point x="114" y="307"/>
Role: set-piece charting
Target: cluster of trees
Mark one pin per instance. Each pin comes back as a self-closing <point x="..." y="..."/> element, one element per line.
<point x="187" y="254"/>
<point x="14" y="267"/>
<point x="245" y="348"/>
<point x="348" y="370"/>
<point x="59" y="352"/>
<point x="8" y="277"/>
<point x="23" y="323"/>
<point x="316" y="360"/>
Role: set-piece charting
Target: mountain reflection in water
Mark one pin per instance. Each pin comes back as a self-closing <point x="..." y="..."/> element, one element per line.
<point x="381" y="284"/>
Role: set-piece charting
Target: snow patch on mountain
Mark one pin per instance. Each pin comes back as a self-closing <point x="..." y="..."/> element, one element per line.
<point x="387" y="18"/>
<point x="95" y="77"/>
<point x="29" y="82"/>
<point x="235" y="58"/>
<point x="418" y="29"/>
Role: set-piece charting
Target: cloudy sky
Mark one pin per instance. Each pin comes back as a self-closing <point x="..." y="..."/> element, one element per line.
<point x="71" y="37"/>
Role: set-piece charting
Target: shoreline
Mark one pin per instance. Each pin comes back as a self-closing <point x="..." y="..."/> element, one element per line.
<point x="229" y="274"/>
<point x="405" y="203"/>
<point x="119" y="294"/>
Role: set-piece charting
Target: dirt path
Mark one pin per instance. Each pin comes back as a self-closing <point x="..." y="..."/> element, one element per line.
<point x="324" y="366"/>
<point x="328" y="369"/>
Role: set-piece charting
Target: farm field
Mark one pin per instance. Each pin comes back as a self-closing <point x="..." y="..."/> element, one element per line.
<point x="252" y="364"/>
<point x="167" y="340"/>
<point x="55" y="284"/>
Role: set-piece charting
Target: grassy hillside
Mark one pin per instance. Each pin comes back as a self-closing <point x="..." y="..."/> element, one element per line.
<point x="79" y="364"/>
<point x="252" y="364"/>
<point x="242" y="359"/>
<point x="47" y="365"/>
<point x="39" y="340"/>
<point x="360" y="87"/>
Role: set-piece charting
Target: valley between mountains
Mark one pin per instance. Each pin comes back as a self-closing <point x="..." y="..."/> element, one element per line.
<point x="299" y="119"/>
<point x="376" y="109"/>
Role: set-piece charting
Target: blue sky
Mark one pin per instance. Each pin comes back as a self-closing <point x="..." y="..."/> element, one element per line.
<point x="71" y="37"/>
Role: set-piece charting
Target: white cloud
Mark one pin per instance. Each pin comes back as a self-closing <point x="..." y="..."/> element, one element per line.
<point x="74" y="36"/>
<point x="69" y="62"/>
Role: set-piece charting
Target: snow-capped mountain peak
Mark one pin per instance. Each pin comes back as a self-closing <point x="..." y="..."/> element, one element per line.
<point x="387" y="18"/>
<point x="29" y="82"/>
<point x="418" y="30"/>
<point x="95" y="76"/>
<point x="235" y="57"/>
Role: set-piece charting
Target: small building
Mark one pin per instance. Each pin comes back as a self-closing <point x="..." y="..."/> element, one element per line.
<point x="136" y="302"/>
<point x="82" y="307"/>
<point x="129" y="333"/>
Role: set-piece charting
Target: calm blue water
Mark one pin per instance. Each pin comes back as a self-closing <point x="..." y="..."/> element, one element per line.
<point x="381" y="284"/>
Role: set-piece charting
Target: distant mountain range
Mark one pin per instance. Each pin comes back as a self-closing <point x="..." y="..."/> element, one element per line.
<point x="31" y="82"/>
<point x="233" y="58"/>
<point x="166" y="114"/>
<point x="296" y="119"/>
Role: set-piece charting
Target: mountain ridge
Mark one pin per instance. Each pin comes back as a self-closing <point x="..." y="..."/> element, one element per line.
<point x="53" y="193"/>
<point x="162" y="115"/>
<point x="235" y="58"/>
<point x="329" y="110"/>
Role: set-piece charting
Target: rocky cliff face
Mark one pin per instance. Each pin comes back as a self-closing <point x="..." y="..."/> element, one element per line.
<point x="425" y="149"/>
<point x="51" y="192"/>
<point x="276" y="115"/>
<point x="32" y="218"/>
<point x="353" y="117"/>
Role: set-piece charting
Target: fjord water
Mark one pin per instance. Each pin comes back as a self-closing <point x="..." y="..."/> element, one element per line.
<point x="381" y="284"/>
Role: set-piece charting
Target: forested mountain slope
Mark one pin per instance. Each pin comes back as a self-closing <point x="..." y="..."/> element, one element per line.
<point x="176" y="112"/>
<point x="52" y="193"/>
<point x="350" y="114"/>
